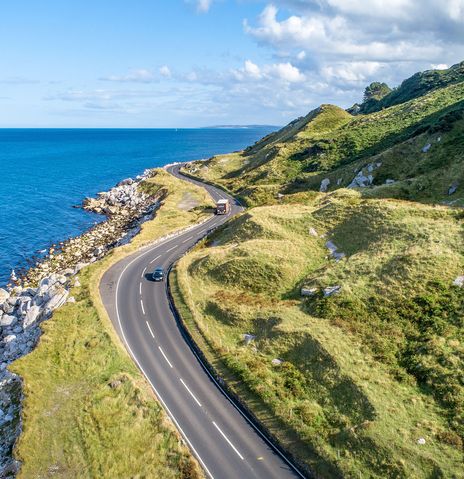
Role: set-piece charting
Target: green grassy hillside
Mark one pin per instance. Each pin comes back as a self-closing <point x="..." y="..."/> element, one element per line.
<point x="412" y="145"/>
<point x="363" y="375"/>
<point x="418" y="85"/>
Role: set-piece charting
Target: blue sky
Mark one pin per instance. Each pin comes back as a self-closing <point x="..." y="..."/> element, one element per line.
<point x="187" y="63"/>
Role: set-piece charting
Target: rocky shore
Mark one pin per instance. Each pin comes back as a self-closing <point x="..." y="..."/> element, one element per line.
<point x="36" y="293"/>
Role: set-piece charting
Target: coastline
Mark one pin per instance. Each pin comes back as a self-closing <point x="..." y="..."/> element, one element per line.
<point x="33" y="296"/>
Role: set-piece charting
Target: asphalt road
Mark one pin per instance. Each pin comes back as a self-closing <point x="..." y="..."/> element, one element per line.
<point x="223" y="441"/>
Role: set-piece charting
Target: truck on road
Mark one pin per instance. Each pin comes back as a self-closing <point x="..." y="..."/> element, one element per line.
<point x="222" y="207"/>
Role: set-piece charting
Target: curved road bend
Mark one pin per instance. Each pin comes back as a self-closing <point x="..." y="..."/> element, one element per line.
<point x="224" y="442"/>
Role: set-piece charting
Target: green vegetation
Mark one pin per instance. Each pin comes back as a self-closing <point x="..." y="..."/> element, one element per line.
<point x="331" y="143"/>
<point x="372" y="96"/>
<point x="85" y="400"/>
<point x="367" y="372"/>
<point x="369" y="382"/>
<point x="418" y="85"/>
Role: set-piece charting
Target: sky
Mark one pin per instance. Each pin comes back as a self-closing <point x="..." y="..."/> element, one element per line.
<point x="193" y="63"/>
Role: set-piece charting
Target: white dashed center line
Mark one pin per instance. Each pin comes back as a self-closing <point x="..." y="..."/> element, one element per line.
<point x="165" y="357"/>
<point x="227" y="439"/>
<point x="143" y="273"/>
<point x="188" y="239"/>
<point x="154" y="259"/>
<point x="143" y="309"/>
<point x="140" y="288"/>
<point x="149" y="329"/>
<point x="190" y="392"/>
<point x="170" y="249"/>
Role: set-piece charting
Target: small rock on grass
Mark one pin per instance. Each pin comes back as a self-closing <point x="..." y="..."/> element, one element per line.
<point x="331" y="290"/>
<point x="248" y="338"/>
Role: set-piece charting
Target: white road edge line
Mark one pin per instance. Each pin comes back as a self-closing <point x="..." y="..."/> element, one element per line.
<point x="143" y="309"/>
<point x="154" y="259"/>
<point x="149" y="329"/>
<point x="143" y="253"/>
<point x="148" y="379"/>
<point x="165" y="357"/>
<point x="190" y="392"/>
<point x="170" y="249"/>
<point x="185" y="241"/>
<point x="227" y="439"/>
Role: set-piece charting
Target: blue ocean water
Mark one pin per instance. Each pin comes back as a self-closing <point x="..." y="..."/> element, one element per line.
<point x="47" y="171"/>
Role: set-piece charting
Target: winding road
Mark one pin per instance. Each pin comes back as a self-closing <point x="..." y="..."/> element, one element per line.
<point x="225" y="443"/>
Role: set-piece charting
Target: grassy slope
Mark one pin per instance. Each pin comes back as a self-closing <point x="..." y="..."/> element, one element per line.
<point x="366" y="373"/>
<point x="418" y="85"/>
<point x="85" y="401"/>
<point x="330" y="143"/>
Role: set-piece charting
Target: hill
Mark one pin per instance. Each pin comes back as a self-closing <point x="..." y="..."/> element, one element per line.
<point x="335" y="303"/>
<point x="413" y="150"/>
<point x="418" y="85"/>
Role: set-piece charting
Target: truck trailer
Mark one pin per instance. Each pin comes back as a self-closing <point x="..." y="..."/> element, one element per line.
<point x="222" y="207"/>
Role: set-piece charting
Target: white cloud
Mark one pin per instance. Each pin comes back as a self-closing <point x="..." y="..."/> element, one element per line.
<point x="165" y="71"/>
<point x="276" y="71"/>
<point x="203" y="6"/>
<point x="191" y="76"/>
<point x="301" y="55"/>
<point x="337" y="36"/>
<point x="439" y="66"/>
<point x="138" y="76"/>
<point x="350" y="71"/>
<point x="252" y="69"/>
<point x="287" y="72"/>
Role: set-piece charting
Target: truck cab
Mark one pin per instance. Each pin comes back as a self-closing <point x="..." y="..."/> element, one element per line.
<point x="222" y="207"/>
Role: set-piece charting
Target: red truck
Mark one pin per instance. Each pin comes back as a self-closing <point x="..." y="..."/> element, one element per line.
<point x="222" y="207"/>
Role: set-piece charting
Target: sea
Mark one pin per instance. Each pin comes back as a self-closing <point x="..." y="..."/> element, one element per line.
<point x="45" y="172"/>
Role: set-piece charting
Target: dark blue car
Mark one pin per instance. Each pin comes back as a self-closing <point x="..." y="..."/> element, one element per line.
<point x="158" y="274"/>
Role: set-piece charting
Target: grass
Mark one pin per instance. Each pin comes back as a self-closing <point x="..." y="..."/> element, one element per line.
<point x="88" y="411"/>
<point x="366" y="373"/>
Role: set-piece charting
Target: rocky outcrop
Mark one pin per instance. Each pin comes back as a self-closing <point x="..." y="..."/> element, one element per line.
<point x="333" y="250"/>
<point x="126" y="207"/>
<point x="364" y="177"/>
<point x="124" y="198"/>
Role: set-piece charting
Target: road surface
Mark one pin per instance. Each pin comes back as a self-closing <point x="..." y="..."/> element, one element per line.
<point x="224" y="442"/>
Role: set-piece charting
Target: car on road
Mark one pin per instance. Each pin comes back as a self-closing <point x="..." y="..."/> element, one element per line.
<point x="158" y="274"/>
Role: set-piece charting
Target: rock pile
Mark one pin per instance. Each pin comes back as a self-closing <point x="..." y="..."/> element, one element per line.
<point x="126" y="207"/>
<point x="365" y="178"/>
<point x="122" y="199"/>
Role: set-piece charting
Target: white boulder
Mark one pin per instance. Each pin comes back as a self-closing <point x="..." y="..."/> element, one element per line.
<point x="32" y="315"/>
<point x="324" y="185"/>
<point x="4" y="295"/>
<point x="7" y="320"/>
<point x="426" y="148"/>
<point x="309" y="291"/>
<point x="331" y="290"/>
